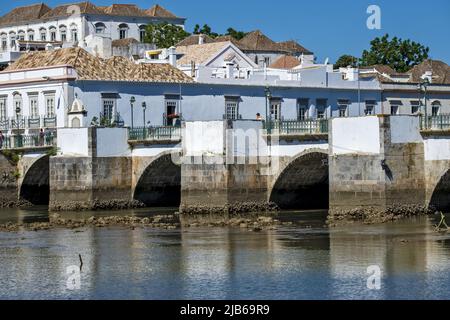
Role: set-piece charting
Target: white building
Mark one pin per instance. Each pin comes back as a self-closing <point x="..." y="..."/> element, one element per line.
<point x="33" y="27"/>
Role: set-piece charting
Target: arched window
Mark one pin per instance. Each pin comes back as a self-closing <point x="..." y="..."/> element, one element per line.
<point x="435" y="108"/>
<point x="43" y="34"/>
<point x="4" y="41"/>
<point x="21" y="35"/>
<point x="142" y="32"/>
<point x="100" y="27"/>
<point x="63" y="33"/>
<point x="123" y="31"/>
<point x="30" y="34"/>
<point x="12" y="39"/>
<point x="74" y="32"/>
<point x="52" y="31"/>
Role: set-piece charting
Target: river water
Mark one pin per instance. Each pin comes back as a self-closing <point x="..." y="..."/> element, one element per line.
<point x="304" y="261"/>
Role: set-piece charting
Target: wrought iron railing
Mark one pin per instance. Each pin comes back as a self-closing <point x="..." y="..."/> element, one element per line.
<point x="294" y="127"/>
<point x="28" y="141"/>
<point x="155" y="133"/>
<point x="440" y="122"/>
<point x="28" y="122"/>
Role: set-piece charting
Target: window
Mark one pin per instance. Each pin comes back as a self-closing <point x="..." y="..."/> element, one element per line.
<point x="50" y="105"/>
<point x="74" y="34"/>
<point x="370" y="108"/>
<point x="256" y="59"/>
<point x="232" y="108"/>
<point x="4" y="42"/>
<point x="142" y="33"/>
<point x="21" y="36"/>
<point x="3" y="114"/>
<point x="343" y="108"/>
<point x="415" y="107"/>
<point x="100" y="27"/>
<point x="63" y="33"/>
<point x="30" y="35"/>
<point x="34" y="106"/>
<point x="17" y="103"/>
<point x="12" y="40"/>
<point x="123" y="31"/>
<point x="302" y="109"/>
<point x="267" y="61"/>
<point x="43" y="34"/>
<point x="53" y="34"/>
<point x="395" y="107"/>
<point x="435" y="108"/>
<point x="171" y="111"/>
<point x="394" y="110"/>
<point x="275" y="109"/>
<point x="109" y="108"/>
<point x="321" y="105"/>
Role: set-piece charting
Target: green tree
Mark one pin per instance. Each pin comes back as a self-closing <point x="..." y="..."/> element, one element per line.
<point x="165" y="35"/>
<point x="238" y="35"/>
<point x="401" y="55"/>
<point x="345" y="61"/>
<point x="206" y="30"/>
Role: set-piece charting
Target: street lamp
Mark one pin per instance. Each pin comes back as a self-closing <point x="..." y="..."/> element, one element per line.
<point x="268" y="95"/>
<point x="144" y="107"/>
<point x="423" y="86"/>
<point x="132" y="101"/>
<point x="18" y="138"/>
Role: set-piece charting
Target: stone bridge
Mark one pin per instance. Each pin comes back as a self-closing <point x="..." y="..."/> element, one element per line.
<point x="376" y="161"/>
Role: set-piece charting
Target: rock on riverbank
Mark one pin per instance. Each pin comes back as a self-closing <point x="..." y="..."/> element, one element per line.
<point x="56" y="206"/>
<point x="230" y="209"/>
<point x="15" y="204"/>
<point x="369" y="215"/>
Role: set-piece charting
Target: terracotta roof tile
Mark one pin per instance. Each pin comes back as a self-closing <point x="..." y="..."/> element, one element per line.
<point x="285" y="62"/>
<point x="293" y="47"/>
<point x="199" y="53"/>
<point x="89" y="67"/>
<point x="69" y="9"/>
<point x="24" y="14"/>
<point x="124" y="10"/>
<point x="257" y="41"/>
<point x="124" y="42"/>
<point x="193" y="40"/>
<point x="440" y="71"/>
<point x="160" y="12"/>
<point x="381" y="68"/>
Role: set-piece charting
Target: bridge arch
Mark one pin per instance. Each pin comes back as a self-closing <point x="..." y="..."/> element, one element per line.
<point x="159" y="185"/>
<point x="35" y="186"/>
<point x="440" y="198"/>
<point x="303" y="183"/>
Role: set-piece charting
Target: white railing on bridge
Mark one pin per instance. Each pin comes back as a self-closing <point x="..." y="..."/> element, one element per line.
<point x="23" y="141"/>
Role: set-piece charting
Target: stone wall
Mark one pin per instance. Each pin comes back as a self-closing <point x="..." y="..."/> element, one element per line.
<point x="385" y="180"/>
<point x="8" y="181"/>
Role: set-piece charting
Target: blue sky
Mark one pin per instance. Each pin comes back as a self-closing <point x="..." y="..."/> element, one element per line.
<point x="328" y="28"/>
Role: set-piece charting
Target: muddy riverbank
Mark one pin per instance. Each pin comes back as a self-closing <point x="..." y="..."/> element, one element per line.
<point x="168" y="222"/>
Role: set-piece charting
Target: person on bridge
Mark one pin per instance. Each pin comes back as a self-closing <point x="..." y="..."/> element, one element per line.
<point x="258" y="117"/>
<point x="41" y="137"/>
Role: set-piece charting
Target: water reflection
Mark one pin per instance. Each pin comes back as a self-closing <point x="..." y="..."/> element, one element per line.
<point x="304" y="261"/>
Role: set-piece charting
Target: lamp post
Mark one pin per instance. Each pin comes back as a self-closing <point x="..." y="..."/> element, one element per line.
<point x="18" y="142"/>
<point x="144" y="107"/>
<point x="268" y="96"/>
<point x="132" y="101"/>
<point x="424" y="86"/>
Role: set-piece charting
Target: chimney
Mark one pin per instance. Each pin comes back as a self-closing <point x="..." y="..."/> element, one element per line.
<point x="49" y="47"/>
<point x="201" y="39"/>
<point x="229" y="70"/>
<point x="172" y="57"/>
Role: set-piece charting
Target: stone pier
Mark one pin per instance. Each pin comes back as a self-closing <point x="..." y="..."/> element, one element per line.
<point x="376" y="164"/>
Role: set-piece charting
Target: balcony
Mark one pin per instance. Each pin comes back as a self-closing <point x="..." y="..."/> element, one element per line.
<point x="435" y="123"/>
<point x="27" y="123"/>
<point x="28" y="141"/>
<point x="297" y="127"/>
<point x="164" y="133"/>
